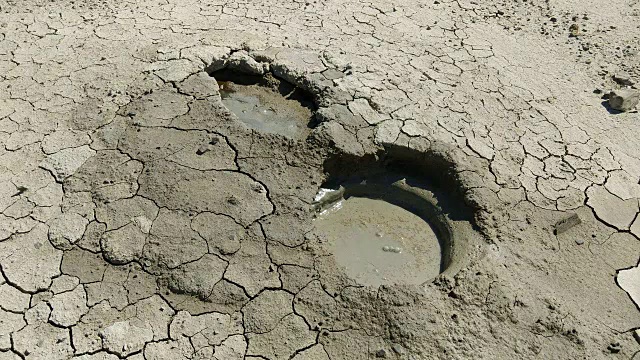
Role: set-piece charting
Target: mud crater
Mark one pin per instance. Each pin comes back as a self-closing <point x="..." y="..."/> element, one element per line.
<point x="394" y="220"/>
<point x="266" y="103"/>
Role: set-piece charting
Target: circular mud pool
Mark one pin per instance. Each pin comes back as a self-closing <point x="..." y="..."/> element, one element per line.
<point x="385" y="233"/>
<point x="380" y="243"/>
<point x="266" y="104"/>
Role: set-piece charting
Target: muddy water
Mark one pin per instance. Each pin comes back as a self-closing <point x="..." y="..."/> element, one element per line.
<point x="266" y="110"/>
<point x="379" y="243"/>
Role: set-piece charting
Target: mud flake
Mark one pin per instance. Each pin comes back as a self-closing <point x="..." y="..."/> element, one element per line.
<point x="66" y="230"/>
<point x="290" y="335"/>
<point x="263" y="313"/>
<point x="199" y="85"/>
<point x="225" y="297"/>
<point x="221" y="233"/>
<point x="204" y="330"/>
<point x="64" y="283"/>
<point x="64" y="139"/>
<point x="179" y="146"/>
<point x="172" y="242"/>
<point x="13" y="299"/>
<point x="294" y="278"/>
<point x="43" y="341"/>
<point x="232" y="348"/>
<point x="362" y="108"/>
<point x="171" y="349"/>
<point x="68" y="307"/>
<point x="9" y="322"/>
<point x="66" y="162"/>
<point x="123" y="245"/>
<point x="109" y="176"/>
<point x="86" y="266"/>
<point x="110" y="288"/>
<point x="251" y="268"/>
<point x="614" y="211"/>
<point x="158" y="108"/>
<point x="629" y="281"/>
<point x="29" y="261"/>
<point x="86" y="334"/>
<point x="126" y="337"/>
<point x="121" y="212"/>
<point x="197" y="278"/>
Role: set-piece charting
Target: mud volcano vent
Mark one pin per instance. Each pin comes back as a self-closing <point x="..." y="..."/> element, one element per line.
<point x="394" y="221"/>
<point x="266" y="103"/>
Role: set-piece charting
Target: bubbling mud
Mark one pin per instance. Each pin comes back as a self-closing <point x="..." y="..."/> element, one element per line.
<point x="379" y="243"/>
<point x="266" y="104"/>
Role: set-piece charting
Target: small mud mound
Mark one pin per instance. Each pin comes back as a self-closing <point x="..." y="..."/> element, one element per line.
<point x="266" y="104"/>
<point x="388" y="222"/>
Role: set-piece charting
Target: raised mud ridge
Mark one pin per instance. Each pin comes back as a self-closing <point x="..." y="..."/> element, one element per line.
<point x="210" y="224"/>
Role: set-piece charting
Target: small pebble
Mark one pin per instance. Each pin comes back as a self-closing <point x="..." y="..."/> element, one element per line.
<point x="398" y="349"/>
<point x="202" y="149"/>
<point x="579" y="241"/>
<point x="614" y="347"/>
<point x="624" y="99"/>
<point x="381" y="353"/>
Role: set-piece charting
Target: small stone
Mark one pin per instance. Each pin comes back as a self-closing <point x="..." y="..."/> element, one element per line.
<point x="574" y="30"/>
<point x="614" y="347"/>
<point x="386" y="248"/>
<point x="332" y="74"/>
<point x="398" y="349"/>
<point x="381" y="353"/>
<point x="566" y="223"/>
<point x="623" y="79"/>
<point x="579" y="241"/>
<point x="203" y="149"/>
<point x="624" y="99"/>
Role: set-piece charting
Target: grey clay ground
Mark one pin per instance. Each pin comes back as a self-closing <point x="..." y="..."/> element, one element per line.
<point x="140" y="219"/>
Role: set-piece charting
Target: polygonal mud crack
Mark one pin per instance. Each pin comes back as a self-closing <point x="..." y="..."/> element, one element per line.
<point x="210" y="222"/>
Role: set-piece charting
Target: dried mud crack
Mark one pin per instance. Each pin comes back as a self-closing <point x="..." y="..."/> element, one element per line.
<point x="160" y="165"/>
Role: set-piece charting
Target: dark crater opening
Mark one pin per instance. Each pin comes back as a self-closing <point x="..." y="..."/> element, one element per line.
<point x="410" y="196"/>
<point x="266" y="103"/>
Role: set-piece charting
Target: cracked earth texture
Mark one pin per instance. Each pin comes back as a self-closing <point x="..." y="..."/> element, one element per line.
<point x="120" y="238"/>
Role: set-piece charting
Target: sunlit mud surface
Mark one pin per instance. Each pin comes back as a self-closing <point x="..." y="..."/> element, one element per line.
<point x="266" y="110"/>
<point x="379" y="243"/>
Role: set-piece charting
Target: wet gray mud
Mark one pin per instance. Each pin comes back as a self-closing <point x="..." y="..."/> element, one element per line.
<point x="266" y="104"/>
<point x="379" y="243"/>
<point x="387" y="226"/>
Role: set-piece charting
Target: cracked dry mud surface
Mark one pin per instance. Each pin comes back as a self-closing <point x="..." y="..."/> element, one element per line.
<point x="140" y="219"/>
